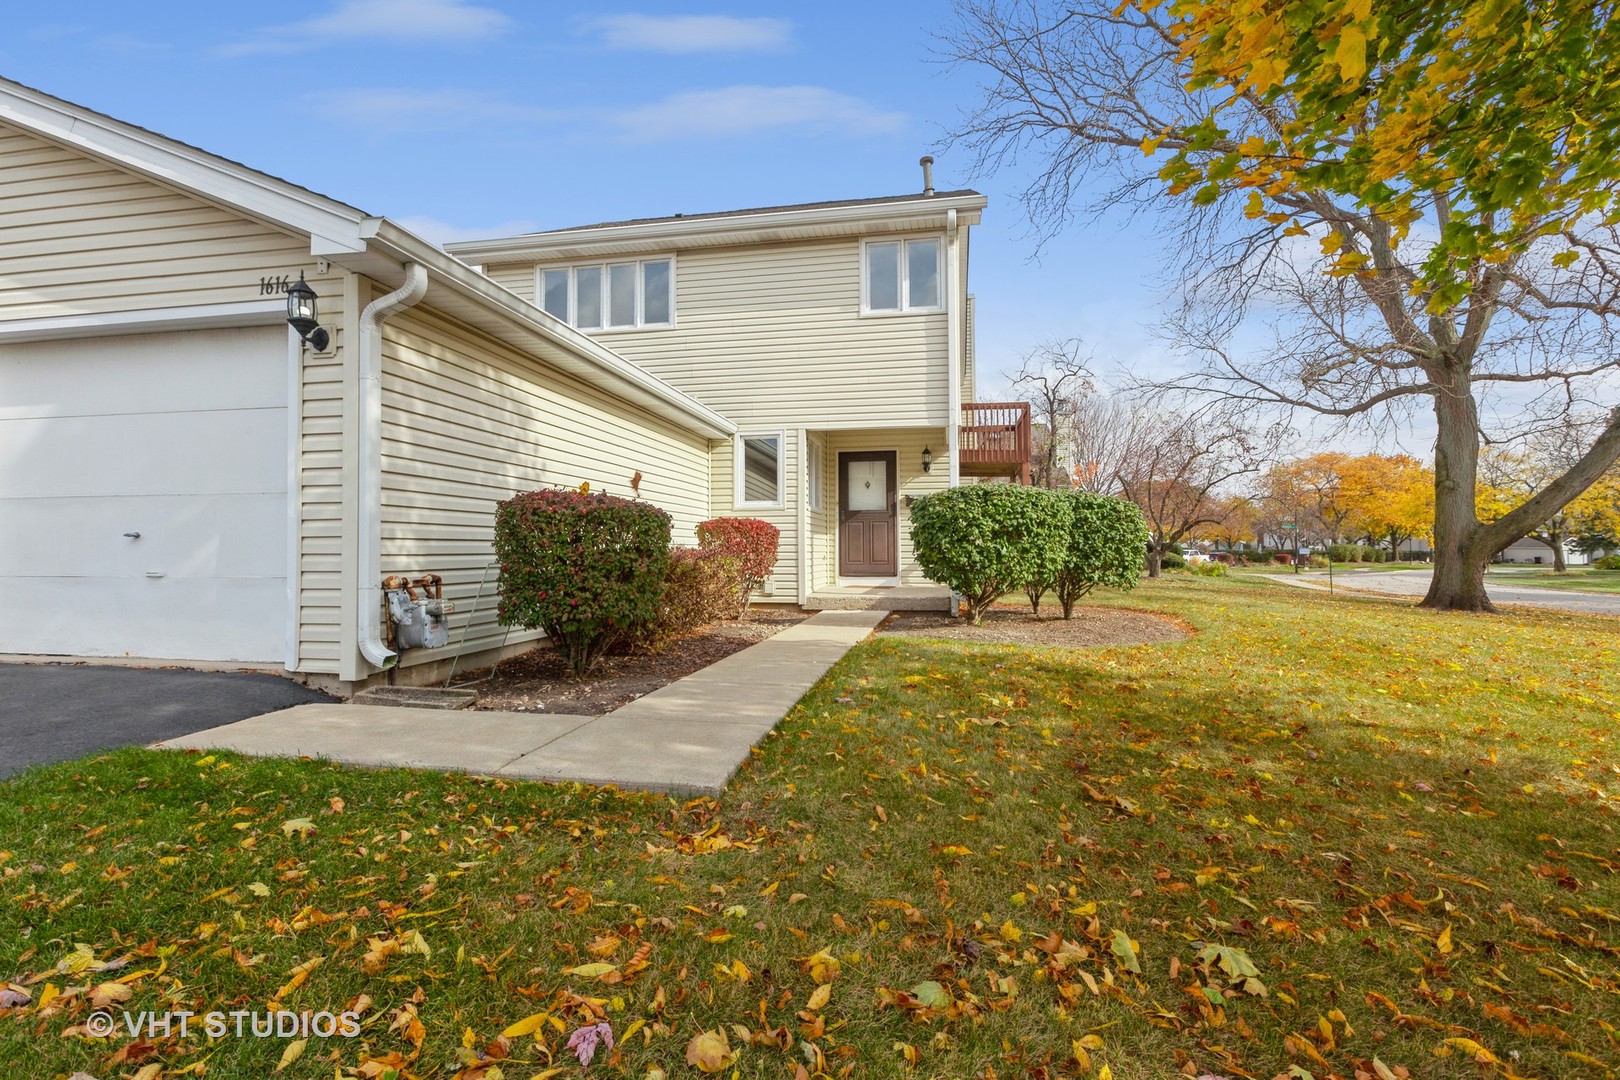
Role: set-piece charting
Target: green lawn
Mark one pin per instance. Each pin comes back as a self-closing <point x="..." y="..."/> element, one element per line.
<point x="1578" y="578"/>
<point x="1318" y="832"/>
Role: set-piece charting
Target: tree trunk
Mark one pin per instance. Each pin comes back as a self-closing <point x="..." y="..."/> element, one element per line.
<point x="1555" y="540"/>
<point x="1155" y="558"/>
<point x="1459" y="559"/>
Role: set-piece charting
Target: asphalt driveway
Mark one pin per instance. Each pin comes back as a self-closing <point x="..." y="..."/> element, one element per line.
<point x="56" y="712"/>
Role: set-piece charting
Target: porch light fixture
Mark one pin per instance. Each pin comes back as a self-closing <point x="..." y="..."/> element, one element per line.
<point x="928" y="460"/>
<point x="303" y="316"/>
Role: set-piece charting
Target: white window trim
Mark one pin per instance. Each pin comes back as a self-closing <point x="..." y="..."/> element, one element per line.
<point x="905" y="277"/>
<point x="601" y="265"/>
<point x="814" y="481"/>
<point x="738" y="487"/>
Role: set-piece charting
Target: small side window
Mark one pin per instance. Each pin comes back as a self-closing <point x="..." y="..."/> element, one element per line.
<point x="759" y="470"/>
<point x="812" y="475"/>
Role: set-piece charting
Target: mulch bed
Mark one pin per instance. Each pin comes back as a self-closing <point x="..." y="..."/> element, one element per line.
<point x="539" y="681"/>
<point x="1090" y="627"/>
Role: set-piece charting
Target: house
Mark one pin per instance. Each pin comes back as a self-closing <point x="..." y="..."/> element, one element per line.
<point x="1537" y="553"/>
<point x="837" y="336"/>
<point x="182" y="477"/>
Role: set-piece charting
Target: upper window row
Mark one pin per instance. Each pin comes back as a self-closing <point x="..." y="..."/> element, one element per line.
<point x="902" y="275"/>
<point x="611" y="295"/>
<point x="897" y="275"/>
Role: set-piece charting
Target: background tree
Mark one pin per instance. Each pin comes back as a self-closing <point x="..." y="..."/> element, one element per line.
<point x="1054" y="379"/>
<point x="1235" y="524"/>
<point x="1357" y="330"/>
<point x="1102" y="432"/>
<point x="1390" y="499"/>
<point x="1178" y="469"/>
<point x="1309" y="493"/>
<point x="1511" y="474"/>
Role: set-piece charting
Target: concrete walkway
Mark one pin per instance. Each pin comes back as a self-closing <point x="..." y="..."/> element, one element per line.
<point x="687" y="737"/>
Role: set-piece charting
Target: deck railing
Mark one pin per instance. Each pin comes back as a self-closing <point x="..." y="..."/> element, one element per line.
<point x="995" y="438"/>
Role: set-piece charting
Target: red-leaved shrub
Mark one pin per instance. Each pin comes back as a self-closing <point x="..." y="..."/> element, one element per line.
<point x="700" y="588"/>
<point x="587" y="568"/>
<point x="751" y="542"/>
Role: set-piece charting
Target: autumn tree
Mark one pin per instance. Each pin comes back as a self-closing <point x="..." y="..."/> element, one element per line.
<point x="1389" y="499"/>
<point x="1309" y="490"/>
<point x="1178" y="469"/>
<point x="1391" y="270"/>
<point x="1235" y="523"/>
<point x="1510" y="474"/>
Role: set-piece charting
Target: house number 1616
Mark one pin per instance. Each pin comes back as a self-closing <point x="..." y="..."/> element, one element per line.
<point x="271" y="286"/>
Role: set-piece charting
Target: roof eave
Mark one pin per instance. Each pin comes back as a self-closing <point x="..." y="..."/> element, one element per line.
<point x="746" y="227"/>
<point x="510" y="318"/>
<point x="175" y="164"/>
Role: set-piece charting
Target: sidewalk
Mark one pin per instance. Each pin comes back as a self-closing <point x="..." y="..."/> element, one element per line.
<point x="687" y="737"/>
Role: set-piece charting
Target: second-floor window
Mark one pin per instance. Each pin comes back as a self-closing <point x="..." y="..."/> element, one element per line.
<point x="902" y="275"/>
<point x="611" y="295"/>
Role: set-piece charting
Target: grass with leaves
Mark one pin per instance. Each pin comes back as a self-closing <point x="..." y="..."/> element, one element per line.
<point x="1322" y="837"/>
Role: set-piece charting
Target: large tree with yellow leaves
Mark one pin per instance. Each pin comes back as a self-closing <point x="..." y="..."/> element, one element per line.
<point x="1377" y="208"/>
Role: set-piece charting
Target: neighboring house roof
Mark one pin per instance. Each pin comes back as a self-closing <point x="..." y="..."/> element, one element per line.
<point x="765" y="224"/>
<point x="348" y="237"/>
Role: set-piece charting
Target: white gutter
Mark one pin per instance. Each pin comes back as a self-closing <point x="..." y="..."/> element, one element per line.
<point x="370" y="479"/>
<point x="953" y="351"/>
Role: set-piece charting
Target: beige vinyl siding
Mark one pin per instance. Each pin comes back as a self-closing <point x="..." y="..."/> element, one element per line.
<point x="79" y="236"/>
<point x="722" y="501"/>
<point x="517" y="279"/>
<point x="908" y="445"/>
<point x="969" y="350"/>
<point x="821" y="522"/>
<point x="327" y="403"/>
<point x="772" y="334"/>
<point x="468" y="421"/>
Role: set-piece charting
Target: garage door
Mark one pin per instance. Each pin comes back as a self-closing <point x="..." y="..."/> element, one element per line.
<point x="180" y="438"/>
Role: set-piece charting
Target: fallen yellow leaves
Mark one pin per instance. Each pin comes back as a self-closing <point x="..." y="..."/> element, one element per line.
<point x="710" y="1051"/>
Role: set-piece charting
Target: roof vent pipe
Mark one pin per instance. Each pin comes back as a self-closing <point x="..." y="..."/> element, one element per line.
<point x="927" y="162"/>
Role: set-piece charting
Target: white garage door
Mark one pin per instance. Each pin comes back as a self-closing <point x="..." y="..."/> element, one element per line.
<point x="180" y="437"/>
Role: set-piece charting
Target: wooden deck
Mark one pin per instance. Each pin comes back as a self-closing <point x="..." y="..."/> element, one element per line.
<point x="995" y="439"/>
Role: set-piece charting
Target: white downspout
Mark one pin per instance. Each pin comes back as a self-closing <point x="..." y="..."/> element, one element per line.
<point x="370" y="478"/>
<point x="953" y="351"/>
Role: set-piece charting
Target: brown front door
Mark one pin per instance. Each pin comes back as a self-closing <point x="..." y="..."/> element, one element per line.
<point x="868" y="515"/>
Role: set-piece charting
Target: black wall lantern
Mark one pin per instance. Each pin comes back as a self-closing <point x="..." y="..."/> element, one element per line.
<point x="303" y="316"/>
<point x="928" y="460"/>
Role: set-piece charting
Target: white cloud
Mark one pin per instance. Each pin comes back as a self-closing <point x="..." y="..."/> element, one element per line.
<point x="693" y="33"/>
<point x="751" y="110"/>
<point x="442" y="232"/>
<point x="390" y="110"/>
<point x="400" y="22"/>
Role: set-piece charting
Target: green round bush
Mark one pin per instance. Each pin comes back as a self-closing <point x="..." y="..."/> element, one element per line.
<point x="1105" y="543"/>
<point x="987" y="540"/>
<point x="1608" y="562"/>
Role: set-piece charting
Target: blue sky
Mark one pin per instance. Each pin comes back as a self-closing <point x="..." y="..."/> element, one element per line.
<point x="465" y="118"/>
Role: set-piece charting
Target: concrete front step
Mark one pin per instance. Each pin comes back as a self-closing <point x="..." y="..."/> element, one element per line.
<point x="881" y="598"/>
